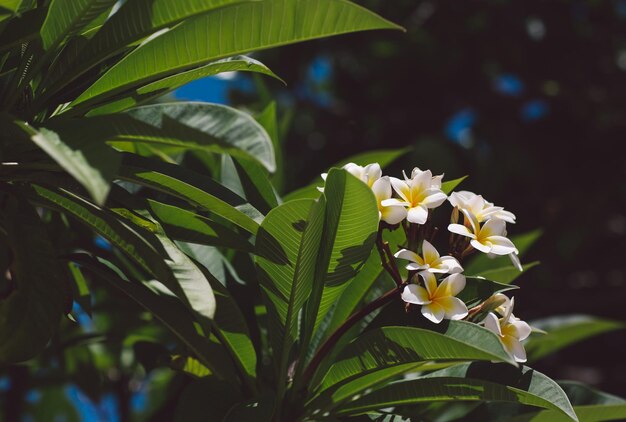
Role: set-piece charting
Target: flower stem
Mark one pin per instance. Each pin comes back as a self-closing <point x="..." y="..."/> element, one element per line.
<point x="387" y="259"/>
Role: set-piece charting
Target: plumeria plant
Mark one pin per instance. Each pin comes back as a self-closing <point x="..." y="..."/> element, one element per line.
<point x="143" y="240"/>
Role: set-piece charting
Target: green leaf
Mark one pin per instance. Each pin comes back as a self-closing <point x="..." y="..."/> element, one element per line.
<point x="588" y="413"/>
<point x="287" y="248"/>
<point x="479" y="289"/>
<point x="22" y="29"/>
<point x="134" y="21"/>
<point x="163" y="86"/>
<point x="190" y="366"/>
<point x="228" y="32"/>
<point x="508" y="274"/>
<point x="589" y="404"/>
<point x="184" y="125"/>
<point x="563" y="331"/>
<point x="107" y="225"/>
<point x="81" y="292"/>
<point x="350" y="230"/>
<point x="450" y="185"/>
<point x="39" y="295"/>
<point x="384" y="157"/>
<point x="193" y="287"/>
<point x="67" y="17"/>
<point x="391" y="346"/>
<point x="482" y="262"/>
<point x="470" y="382"/>
<point x="167" y="309"/>
<point x="210" y="127"/>
<point x="197" y="190"/>
<point x="354" y="386"/>
<point x="188" y="226"/>
<point x="269" y="120"/>
<point x="93" y="164"/>
<point x="367" y="276"/>
<point x="246" y="177"/>
<point x="233" y="332"/>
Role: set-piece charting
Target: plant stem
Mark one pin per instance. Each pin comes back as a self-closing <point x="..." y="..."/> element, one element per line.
<point x="387" y="259"/>
<point x="343" y="328"/>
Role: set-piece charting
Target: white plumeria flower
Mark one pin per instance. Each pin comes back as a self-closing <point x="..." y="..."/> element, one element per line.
<point x="436" y="180"/>
<point x="482" y="209"/>
<point x="368" y="174"/>
<point x="511" y="331"/>
<point x="421" y="193"/>
<point x="490" y="238"/>
<point x="438" y="302"/>
<point x="515" y="260"/>
<point x="390" y="210"/>
<point x="430" y="260"/>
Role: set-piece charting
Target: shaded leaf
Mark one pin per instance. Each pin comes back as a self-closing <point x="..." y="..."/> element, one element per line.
<point x="565" y="330"/>
<point x="210" y="127"/>
<point x="390" y="346"/>
<point x="188" y="226"/>
<point x="38" y="294"/>
<point x="470" y="382"/>
<point x="506" y="275"/>
<point x="200" y="191"/>
<point x="93" y="164"/>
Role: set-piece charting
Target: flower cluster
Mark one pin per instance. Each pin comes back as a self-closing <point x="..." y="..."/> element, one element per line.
<point x="433" y="281"/>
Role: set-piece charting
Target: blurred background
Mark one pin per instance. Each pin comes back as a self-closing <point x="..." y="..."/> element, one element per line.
<point x="527" y="97"/>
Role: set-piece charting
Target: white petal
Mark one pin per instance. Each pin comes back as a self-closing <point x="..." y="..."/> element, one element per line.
<point x="476" y="204"/>
<point x="421" y="181"/>
<point x="454" y="308"/>
<point x="414" y="172"/>
<point x="414" y="266"/>
<point x="451" y="264"/>
<point x="401" y="188"/>
<point x="461" y="229"/>
<point x="429" y="252"/>
<point x="507" y="216"/>
<point x="324" y="176"/>
<point x="393" y="202"/>
<point x="493" y="324"/>
<point x="522" y="329"/>
<point x="373" y="172"/>
<point x="430" y="281"/>
<point x="493" y="227"/>
<point x="417" y="215"/>
<point x="382" y="188"/>
<point x="456" y="200"/>
<point x="436" y="181"/>
<point x="407" y="254"/>
<point x="500" y="245"/>
<point x="393" y="214"/>
<point x="480" y="246"/>
<point x="434" y="199"/>
<point x="415" y="294"/>
<point x="434" y="312"/>
<point x="452" y="285"/>
<point x="516" y="262"/>
<point x="472" y="219"/>
<point x="516" y="349"/>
